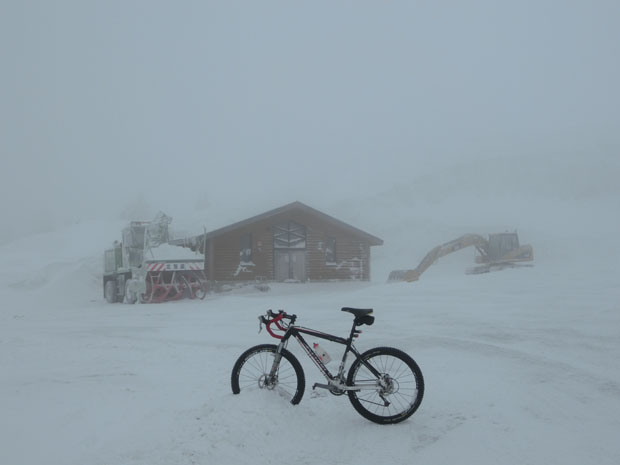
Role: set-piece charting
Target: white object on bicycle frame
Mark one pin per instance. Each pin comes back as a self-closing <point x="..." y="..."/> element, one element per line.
<point x="321" y="353"/>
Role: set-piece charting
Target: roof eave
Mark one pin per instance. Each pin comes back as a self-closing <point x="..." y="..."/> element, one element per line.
<point x="372" y="240"/>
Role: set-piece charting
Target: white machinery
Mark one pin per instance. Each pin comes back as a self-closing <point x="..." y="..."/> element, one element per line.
<point x="146" y="267"/>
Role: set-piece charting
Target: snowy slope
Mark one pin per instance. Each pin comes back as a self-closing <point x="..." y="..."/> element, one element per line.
<point x="520" y="365"/>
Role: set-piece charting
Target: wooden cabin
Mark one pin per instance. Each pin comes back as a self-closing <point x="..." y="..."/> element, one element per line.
<point x="291" y="243"/>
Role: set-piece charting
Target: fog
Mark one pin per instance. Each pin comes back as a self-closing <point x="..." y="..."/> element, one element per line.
<point x="112" y="110"/>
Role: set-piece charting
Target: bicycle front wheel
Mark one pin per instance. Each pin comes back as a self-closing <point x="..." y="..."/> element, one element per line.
<point x="392" y="396"/>
<point x="257" y="369"/>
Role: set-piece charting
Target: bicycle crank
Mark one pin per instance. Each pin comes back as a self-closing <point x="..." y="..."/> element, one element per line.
<point x="331" y="388"/>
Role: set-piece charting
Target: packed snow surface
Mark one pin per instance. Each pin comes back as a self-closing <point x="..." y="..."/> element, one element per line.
<point x="520" y="366"/>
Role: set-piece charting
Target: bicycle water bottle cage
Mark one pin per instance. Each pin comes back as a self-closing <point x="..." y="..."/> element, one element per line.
<point x="362" y="315"/>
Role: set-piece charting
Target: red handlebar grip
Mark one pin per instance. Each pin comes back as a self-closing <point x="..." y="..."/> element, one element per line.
<point x="275" y="320"/>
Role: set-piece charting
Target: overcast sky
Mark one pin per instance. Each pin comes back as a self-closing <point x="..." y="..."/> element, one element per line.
<point x="191" y="102"/>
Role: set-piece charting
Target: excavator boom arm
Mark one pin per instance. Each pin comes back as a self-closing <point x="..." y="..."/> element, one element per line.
<point x="431" y="257"/>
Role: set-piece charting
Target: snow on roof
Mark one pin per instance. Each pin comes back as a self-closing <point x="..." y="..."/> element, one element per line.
<point x="171" y="252"/>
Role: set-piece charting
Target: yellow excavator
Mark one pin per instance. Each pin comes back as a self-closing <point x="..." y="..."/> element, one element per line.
<point x="499" y="251"/>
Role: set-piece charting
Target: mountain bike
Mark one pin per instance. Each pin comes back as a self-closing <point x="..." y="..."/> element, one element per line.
<point x="384" y="384"/>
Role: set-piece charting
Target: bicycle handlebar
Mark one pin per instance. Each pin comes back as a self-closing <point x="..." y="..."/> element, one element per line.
<point x="276" y="318"/>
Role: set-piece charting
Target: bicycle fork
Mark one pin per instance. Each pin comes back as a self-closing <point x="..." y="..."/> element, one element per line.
<point x="273" y="373"/>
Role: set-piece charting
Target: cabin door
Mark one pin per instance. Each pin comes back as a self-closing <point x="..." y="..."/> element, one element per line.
<point x="289" y="251"/>
<point x="290" y="265"/>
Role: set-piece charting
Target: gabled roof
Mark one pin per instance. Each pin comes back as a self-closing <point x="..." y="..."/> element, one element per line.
<point x="372" y="240"/>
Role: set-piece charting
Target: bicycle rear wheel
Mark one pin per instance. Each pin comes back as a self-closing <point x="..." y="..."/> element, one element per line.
<point x="252" y="371"/>
<point x="399" y="388"/>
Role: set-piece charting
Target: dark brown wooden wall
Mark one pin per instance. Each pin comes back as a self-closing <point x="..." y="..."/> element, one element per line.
<point x="352" y="253"/>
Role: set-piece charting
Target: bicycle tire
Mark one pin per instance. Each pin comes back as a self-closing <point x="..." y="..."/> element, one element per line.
<point x="251" y="371"/>
<point x="403" y="387"/>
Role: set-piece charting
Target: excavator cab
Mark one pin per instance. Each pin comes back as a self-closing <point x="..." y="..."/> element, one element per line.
<point x="501" y="244"/>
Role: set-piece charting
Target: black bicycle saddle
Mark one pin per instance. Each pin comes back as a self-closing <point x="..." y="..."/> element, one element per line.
<point x="358" y="312"/>
<point x="362" y="315"/>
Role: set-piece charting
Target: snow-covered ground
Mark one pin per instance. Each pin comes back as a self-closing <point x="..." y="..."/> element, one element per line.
<point x="521" y="366"/>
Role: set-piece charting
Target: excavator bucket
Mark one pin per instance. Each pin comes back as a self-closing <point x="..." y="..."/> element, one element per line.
<point x="404" y="275"/>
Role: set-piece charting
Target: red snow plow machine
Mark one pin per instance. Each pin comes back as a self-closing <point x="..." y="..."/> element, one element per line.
<point x="145" y="267"/>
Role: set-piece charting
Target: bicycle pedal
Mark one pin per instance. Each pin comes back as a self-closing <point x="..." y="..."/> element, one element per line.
<point x="322" y="386"/>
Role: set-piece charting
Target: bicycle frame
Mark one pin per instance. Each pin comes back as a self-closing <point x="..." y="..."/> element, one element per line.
<point x="335" y="381"/>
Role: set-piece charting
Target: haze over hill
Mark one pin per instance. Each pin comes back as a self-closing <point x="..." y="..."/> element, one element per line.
<point x="125" y="108"/>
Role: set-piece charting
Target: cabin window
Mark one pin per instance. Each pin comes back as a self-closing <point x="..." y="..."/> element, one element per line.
<point x="330" y="250"/>
<point x="289" y="236"/>
<point x="245" y="251"/>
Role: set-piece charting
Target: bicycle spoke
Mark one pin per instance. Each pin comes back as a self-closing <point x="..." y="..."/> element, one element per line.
<point x="398" y="384"/>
